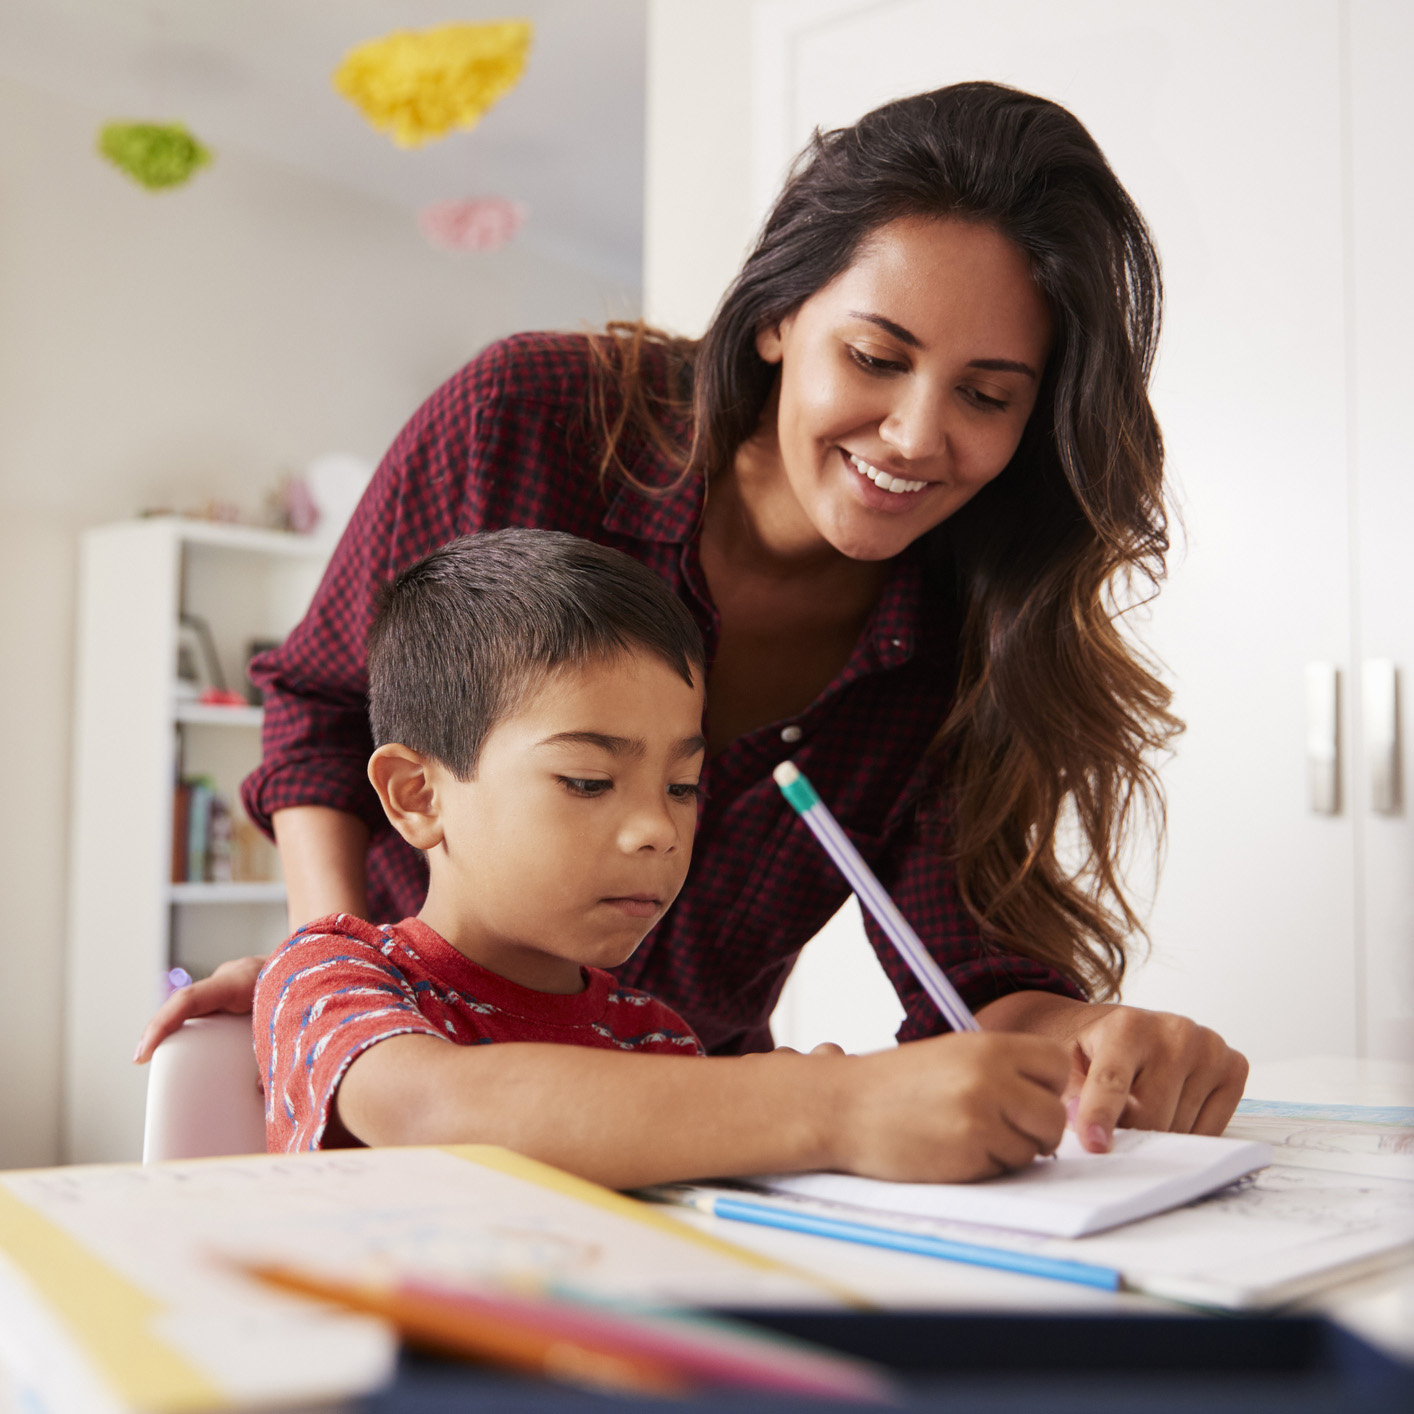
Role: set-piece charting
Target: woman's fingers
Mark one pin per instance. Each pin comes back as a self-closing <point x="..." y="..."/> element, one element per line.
<point x="230" y="988"/>
<point x="1217" y="1109"/>
<point x="165" y="1020"/>
<point x="1174" y="1075"/>
<point x="1113" y="1065"/>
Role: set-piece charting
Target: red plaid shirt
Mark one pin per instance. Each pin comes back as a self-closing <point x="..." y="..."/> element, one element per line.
<point x="507" y="441"/>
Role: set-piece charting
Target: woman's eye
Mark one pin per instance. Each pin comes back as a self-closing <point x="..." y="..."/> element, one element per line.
<point x="983" y="400"/>
<point x="871" y="364"/>
<point x="586" y="786"/>
<point x="685" y="792"/>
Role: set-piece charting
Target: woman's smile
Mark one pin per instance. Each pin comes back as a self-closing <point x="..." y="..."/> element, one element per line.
<point x="882" y="490"/>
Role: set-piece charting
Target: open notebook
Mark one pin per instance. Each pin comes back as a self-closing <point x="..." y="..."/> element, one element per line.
<point x="1070" y="1195"/>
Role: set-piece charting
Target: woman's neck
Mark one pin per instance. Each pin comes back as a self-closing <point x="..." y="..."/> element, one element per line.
<point x="754" y="528"/>
<point x="791" y="606"/>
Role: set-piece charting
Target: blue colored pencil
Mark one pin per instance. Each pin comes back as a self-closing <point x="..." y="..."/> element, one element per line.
<point x="872" y="894"/>
<point x="1027" y="1263"/>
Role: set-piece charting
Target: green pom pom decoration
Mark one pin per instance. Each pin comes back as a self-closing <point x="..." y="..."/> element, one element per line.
<point x="156" y="155"/>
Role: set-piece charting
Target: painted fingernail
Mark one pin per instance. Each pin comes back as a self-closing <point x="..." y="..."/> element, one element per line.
<point x="1097" y="1139"/>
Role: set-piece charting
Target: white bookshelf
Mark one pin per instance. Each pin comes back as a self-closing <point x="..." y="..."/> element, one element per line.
<point x="203" y="715"/>
<point x="229" y="891"/>
<point x="129" y="922"/>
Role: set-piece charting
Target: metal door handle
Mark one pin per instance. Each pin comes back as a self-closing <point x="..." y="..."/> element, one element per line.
<point x="1380" y="698"/>
<point x="1323" y="737"/>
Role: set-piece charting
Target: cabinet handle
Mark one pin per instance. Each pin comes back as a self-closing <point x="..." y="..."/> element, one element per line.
<point x="1380" y="697"/>
<point x="1323" y="737"/>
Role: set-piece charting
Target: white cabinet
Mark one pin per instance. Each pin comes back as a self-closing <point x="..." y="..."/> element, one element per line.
<point x="1267" y="143"/>
<point x="128" y="921"/>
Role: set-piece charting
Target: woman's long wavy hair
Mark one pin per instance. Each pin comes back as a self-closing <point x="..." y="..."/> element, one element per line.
<point x="1056" y="717"/>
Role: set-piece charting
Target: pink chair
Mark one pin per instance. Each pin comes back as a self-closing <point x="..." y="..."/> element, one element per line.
<point x="203" y="1093"/>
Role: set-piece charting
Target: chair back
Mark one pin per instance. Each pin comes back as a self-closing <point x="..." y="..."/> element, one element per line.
<point x="203" y="1093"/>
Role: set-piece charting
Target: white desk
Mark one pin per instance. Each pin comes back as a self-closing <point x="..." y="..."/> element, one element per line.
<point x="1380" y="1308"/>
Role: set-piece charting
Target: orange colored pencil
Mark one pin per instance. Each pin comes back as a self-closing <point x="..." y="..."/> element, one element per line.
<point x="498" y="1333"/>
<point x="584" y="1344"/>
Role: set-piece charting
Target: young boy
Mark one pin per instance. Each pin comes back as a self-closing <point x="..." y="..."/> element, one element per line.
<point x="537" y="703"/>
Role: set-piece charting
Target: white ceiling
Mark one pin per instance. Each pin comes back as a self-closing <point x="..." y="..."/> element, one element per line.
<point x="254" y="75"/>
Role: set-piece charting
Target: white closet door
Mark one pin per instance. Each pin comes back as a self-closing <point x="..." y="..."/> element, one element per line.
<point x="1381" y="127"/>
<point x="1224" y="121"/>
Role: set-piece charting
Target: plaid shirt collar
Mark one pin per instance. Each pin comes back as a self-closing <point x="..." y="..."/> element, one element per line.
<point x="673" y="515"/>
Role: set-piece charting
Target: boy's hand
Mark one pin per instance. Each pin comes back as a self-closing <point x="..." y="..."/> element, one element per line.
<point x="952" y="1108"/>
<point x="230" y="988"/>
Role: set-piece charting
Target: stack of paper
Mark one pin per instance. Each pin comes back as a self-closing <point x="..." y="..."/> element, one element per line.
<point x="1333" y="1207"/>
<point x="118" y="1290"/>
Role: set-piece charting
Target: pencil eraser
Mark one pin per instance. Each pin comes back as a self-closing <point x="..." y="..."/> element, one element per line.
<point x="796" y="789"/>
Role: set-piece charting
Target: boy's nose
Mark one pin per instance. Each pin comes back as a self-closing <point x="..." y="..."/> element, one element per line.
<point x="648" y="826"/>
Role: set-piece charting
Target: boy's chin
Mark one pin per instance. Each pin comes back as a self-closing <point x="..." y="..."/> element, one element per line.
<point x="609" y="956"/>
<point x="608" y="952"/>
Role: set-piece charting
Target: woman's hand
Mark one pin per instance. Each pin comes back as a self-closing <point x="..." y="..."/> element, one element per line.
<point x="230" y="988"/>
<point x="1129" y="1067"/>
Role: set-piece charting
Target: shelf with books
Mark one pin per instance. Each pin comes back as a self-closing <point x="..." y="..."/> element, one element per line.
<point x="168" y="610"/>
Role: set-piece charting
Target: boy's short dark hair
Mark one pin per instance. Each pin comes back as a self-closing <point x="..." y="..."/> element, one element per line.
<point x="460" y="638"/>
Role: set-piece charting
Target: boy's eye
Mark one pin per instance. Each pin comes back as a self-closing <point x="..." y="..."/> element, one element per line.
<point x="588" y="786"/>
<point x="686" y="791"/>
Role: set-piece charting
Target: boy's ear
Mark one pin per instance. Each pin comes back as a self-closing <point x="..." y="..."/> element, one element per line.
<point x="403" y="779"/>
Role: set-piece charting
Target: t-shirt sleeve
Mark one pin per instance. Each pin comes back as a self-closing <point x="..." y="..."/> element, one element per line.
<point x="920" y="878"/>
<point x="321" y="1001"/>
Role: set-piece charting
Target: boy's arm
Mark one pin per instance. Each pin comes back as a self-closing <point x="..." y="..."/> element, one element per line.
<point x="947" y="1109"/>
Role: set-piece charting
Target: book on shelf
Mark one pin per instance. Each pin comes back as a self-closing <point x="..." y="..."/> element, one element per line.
<point x="211" y="842"/>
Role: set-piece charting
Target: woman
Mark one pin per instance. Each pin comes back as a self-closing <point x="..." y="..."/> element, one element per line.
<point x="900" y="482"/>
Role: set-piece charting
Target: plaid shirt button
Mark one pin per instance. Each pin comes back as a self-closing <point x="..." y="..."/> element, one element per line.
<point x="509" y="441"/>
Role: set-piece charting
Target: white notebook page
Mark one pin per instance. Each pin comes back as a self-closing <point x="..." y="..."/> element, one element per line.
<point x="1067" y="1196"/>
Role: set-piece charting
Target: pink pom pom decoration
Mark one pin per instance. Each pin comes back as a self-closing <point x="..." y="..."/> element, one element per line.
<point x="473" y="224"/>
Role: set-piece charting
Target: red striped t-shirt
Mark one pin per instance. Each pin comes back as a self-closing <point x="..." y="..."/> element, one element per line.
<point x="341" y="985"/>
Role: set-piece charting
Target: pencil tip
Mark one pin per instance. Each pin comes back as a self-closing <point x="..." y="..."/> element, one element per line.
<point x="786" y="774"/>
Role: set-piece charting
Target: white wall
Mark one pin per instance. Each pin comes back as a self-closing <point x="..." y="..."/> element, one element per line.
<point x="159" y="350"/>
<point x="699" y="218"/>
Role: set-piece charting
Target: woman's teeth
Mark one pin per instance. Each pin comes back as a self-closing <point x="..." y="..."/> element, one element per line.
<point x="882" y="479"/>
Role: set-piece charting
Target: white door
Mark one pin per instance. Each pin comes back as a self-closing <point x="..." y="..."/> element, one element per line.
<point x="1381" y="126"/>
<point x="1226" y="122"/>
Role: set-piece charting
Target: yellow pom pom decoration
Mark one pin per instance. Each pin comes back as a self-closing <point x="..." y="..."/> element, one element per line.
<point x="156" y="155"/>
<point x="419" y="85"/>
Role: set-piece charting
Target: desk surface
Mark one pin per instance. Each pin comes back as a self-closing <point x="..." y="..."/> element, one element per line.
<point x="1379" y="1308"/>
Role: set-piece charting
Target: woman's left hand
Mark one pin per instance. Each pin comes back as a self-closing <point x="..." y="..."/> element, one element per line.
<point x="1130" y="1067"/>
